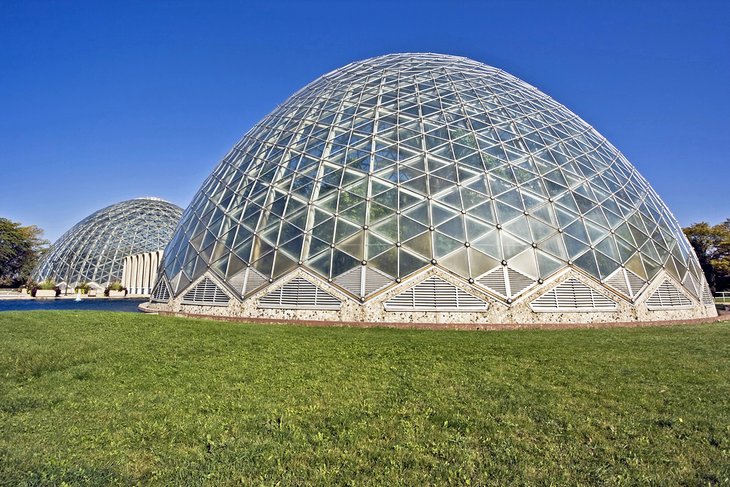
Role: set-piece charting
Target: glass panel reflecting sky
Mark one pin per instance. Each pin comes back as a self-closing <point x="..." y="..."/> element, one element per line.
<point x="405" y="161"/>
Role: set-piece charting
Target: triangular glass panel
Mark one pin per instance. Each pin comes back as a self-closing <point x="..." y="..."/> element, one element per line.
<point x="408" y="263"/>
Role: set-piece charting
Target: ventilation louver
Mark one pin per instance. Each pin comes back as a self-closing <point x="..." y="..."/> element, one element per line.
<point x="636" y="283"/>
<point x="572" y="295"/>
<point x="206" y="293"/>
<point x="668" y="296"/>
<point x="505" y="282"/>
<point x="161" y="294"/>
<point x="238" y="281"/>
<point x="517" y="282"/>
<point x="351" y="280"/>
<point x="363" y="281"/>
<point x="435" y="294"/>
<point x="626" y="282"/>
<point x="254" y="280"/>
<point x="495" y="282"/>
<point x="375" y="281"/>
<point x="707" y="298"/>
<point x="299" y="294"/>
<point x="618" y="282"/>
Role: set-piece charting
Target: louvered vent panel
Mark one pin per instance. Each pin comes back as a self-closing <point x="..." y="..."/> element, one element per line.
<point x="572" y="295"/>
<point x="635" y="282"/>
<point x="435" y="294"/>
<point x="254" y="280"/>
<point x="619" y="283"/>
<point x="238" y="281"/>
<point x="206" y="293"/>
<point x="161" y="294"/>
<point x="351" y="280"/>
<point x="375" y="281"/>
<point x="707" y="298"/>
<point x="668" y="296"/>
<point x="494" y="281"/>
<point x="517" y="282"/>
<point x="299" y="294"/>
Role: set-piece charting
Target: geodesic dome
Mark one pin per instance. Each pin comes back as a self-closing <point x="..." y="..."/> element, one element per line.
<point x="403" y="186"/>
<point x="94" y="249"/>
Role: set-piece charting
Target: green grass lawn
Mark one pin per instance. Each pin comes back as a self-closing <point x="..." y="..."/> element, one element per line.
<point x="99" y="398"/>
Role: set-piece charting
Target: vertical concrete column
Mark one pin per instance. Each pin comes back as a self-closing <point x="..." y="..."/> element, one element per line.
<point x="145" y="273"/>
<point x="139" y="274"/>
<point x="153" y="269"/>
<point x="125" y="265"/>
<point x="132" y="273"/>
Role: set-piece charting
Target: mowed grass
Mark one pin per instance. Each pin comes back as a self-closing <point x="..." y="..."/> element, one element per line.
<point x="110" y="398"/>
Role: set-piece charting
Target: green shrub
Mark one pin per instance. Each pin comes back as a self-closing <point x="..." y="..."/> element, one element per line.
<point x="47" y="284"/>
<point x="82" y="287"/>
<point x="115" y="286"/>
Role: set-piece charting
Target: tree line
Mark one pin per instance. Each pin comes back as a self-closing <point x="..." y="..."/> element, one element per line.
<point x="22" y="246"/>
<point x="711" y="243"/>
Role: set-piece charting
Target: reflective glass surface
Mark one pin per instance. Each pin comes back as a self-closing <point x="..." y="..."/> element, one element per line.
<point x="94" y="249"/>
<point x="411" y="160"/>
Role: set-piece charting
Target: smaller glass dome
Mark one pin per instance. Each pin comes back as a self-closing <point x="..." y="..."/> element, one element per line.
<point x="94" y="249"/>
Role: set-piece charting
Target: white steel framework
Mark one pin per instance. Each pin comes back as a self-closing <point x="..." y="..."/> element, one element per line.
<point x="381" y="170"/>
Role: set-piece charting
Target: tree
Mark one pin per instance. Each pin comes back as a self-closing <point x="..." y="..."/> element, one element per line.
<point x="712" y="246"/>
<point x="20" y="249"/>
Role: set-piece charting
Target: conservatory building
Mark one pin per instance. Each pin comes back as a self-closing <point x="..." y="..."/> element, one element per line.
<point x="94" y="250"/>
<point x="427" y="188"/>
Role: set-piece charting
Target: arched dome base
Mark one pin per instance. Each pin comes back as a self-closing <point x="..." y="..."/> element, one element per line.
<point x="435" y="297"/>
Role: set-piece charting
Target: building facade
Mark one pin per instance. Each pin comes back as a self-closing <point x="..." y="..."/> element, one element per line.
<point x="139" y="272"/>
<point x="429" y="188"/>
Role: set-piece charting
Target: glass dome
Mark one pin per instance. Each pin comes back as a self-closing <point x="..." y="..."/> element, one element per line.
<point x="390" y="166"/>
<point x="94" y="249"/>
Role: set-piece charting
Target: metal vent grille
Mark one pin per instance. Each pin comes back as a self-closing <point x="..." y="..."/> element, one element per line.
<point x="626" y="282"/>
<point x="175" y="282"/>
<point x="254" y="281"/>
<point x="517" y="282"/>
<point x="494" y="281"/>
<point x="238" y="281"/>
<point x="299" y="294"/>
<point x="435" y="294"/>
<point x="161" y="294"/>
<point x="619" y="283"/>
<point x="572" y="295"/>
<point x="206" y="293"/>
<point x="635" y="282"/>
<point x="351" y="280"/>
<point x="668" y="296"/>
<point x="506" y="282"/>
<point x="707" y="298"/>
<point x="375" y="281"/>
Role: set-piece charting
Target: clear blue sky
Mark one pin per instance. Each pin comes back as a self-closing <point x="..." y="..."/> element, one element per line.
<point x="105" y="101"/>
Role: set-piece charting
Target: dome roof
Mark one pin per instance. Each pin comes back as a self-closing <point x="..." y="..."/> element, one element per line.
<point x="395" y="164"/>
<point x="94" y="249"/>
